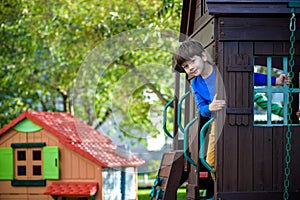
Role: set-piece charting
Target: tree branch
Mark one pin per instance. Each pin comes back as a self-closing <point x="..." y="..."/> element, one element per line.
<point x="146" y="81"/>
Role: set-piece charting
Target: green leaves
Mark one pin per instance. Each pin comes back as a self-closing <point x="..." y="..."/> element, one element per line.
<point x="45" y="44"/>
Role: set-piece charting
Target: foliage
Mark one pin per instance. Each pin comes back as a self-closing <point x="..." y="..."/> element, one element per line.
<point x="45" y="43"/>
<point x="143" y="194"/>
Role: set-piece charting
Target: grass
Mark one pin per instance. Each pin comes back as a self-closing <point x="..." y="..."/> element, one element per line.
<point x="143" y="194"/>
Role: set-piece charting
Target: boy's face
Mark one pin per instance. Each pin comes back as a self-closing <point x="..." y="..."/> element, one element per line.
<point x="195" y="66"/>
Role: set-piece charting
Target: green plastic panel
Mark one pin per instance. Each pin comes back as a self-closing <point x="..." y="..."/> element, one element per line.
<point x="27" y="126"/>
<point x="51" y="162"/>
<point x="6" y="164"/>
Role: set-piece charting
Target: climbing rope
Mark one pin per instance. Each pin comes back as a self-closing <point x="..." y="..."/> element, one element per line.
<point x="288" y="135"/>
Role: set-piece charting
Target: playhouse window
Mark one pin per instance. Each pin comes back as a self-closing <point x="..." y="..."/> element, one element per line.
<point x="28" y="163"/>
<point x="271" y="102"/>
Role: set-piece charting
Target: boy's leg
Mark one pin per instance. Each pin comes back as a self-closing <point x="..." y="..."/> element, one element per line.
<point x="210" y="157"/>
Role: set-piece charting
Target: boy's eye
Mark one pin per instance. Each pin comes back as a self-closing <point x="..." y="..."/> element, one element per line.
<point x="185" y="66"/>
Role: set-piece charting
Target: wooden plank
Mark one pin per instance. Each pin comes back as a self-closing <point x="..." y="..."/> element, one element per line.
<point x="175" y="125"/>
<point x="247" y="1"/>
<point x="219" y="143"/>
<point x="168" y="159"/>
<point x="240" y="111"/>
<point x="263" y="48"/>
<point x="192" y="192"/>
<point x="243" y="28"/>
<point x="219" y="163"/>
<point x="295" y="161"/>
<point x="267" y="167"/>
<point x="278" y="158"/>
<point x="204" y="30"/>
<point x="256" y="195"/>
<point x="263" y="165"/>
<point x="278" y="48"/>
<point x="247" y="7"/>
<point x="164" y="171"/>
<point x="230" y="158"/>
<point x="246" y="49"/>
<point x="191" y="20"/>
<point x="239" y="95"/>
<point x="239" y="68"/>
<point x="230" y="49"/>
<point x="184" y="20"/>
<point x="245" y="159"/>
<point x="258" y="159"/>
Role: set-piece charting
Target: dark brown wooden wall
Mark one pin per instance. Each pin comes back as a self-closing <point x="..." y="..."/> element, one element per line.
<point x="250" y="159"/>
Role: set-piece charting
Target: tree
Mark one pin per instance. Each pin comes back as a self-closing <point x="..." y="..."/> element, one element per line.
<point x="46" y="44"/>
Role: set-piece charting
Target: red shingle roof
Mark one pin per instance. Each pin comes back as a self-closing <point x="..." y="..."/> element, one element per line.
<point x="78" y="136"/>
<point x="72" y="189"/>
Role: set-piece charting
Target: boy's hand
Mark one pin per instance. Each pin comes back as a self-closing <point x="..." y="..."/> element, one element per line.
<point x="283" y="78"/>
<point x="216" y="104"/>
<point x="298" y="113"/>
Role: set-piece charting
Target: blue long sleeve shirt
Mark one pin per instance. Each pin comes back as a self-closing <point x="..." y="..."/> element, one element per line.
<point x="204" y="90"/>
<point x="261" y="79"/>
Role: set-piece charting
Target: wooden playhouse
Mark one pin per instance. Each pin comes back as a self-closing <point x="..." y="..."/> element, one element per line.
<point x="50" y="155"/>
<point x="257" y="155"/>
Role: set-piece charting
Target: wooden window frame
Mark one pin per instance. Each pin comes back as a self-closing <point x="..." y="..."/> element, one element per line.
<point x="269" y="90"/>
<point x="29" y="163"/>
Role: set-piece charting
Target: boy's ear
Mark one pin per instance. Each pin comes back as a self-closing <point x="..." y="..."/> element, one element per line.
<point x="204" y="56"/>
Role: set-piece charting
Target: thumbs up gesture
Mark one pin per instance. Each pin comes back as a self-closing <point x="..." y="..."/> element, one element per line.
<point x="216" y="104"/>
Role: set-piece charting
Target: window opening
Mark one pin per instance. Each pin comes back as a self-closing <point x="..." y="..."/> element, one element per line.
<point x="271" y="101"/>
<point x="21" y="155"/>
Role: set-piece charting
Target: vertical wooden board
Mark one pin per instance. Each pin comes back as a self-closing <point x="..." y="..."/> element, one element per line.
<point x="230" y="159"/>
<point x="258" y="158"/>
<point x="66" y="163"/>
<point x="278" y="153"/>
<point x="268" y="164"/>
<point x="30" y="137"/>
<point x="219" y="143"/>
<point x="175" y="124"/>
<point x="245" y="159"/>
<point x="219" y="164"/>
<point x="230" y="50"/>
<point x="263" y="159"/>
<point x="75" y="166"/>
<point x="21" y="138"/>
<point x="194" y="152"/>
<point x="246" y="50"/>
<point x="239" y="95"/>
<point x="295" y="161"/>
<point x="91" y="172"/>
<point x="278" y="48"/>
<point x="83" y="169"/>
<point x="191" y="17"/>
<point x="263" y="48"/>
<point x="248" y="97"/>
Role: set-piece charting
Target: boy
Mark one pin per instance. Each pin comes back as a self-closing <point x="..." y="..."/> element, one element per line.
<point x="192" y="58"/>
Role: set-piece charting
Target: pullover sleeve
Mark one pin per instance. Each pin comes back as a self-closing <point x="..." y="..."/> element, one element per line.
<point x="261" y="79"/>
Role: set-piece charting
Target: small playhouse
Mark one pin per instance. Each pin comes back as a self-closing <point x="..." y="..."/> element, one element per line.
<point x="52" y="155"/>
<point x="257" y="153"/>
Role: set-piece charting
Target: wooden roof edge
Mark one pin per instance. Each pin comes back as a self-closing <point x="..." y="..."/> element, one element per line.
<point x="277" y="7"/>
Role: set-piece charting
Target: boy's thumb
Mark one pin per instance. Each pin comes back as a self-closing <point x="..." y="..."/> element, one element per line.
<point x="215" y="97"/>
